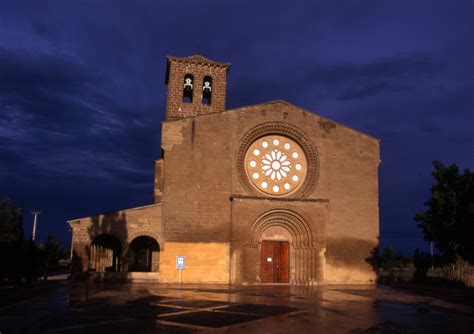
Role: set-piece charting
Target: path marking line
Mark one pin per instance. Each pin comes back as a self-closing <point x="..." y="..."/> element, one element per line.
<point x="90" y="325"/>
<point x="180" y="324"/>
<point x="194" y="310"/>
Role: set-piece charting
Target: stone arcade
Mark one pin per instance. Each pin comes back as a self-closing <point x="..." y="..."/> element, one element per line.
<point x="267" y="193"/>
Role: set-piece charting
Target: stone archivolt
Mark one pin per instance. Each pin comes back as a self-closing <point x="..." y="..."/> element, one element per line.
<point x="300" y="231"/>
<point x="306" y="260"/>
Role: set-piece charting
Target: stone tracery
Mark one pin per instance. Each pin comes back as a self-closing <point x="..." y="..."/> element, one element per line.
<point x="288" y="131"/>
<point x="276" y="165"/>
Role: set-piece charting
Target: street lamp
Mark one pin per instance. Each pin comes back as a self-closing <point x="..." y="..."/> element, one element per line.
<point x="35" y="214"/>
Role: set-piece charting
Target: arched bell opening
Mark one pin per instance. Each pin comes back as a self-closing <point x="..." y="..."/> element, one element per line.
<point x="207" y="90"/>
<point x="188" y="88"/>
<point x="105" y="254"/>
<point x="143" y="255"/>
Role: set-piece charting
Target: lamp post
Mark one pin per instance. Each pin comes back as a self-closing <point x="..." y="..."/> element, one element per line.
<point x="35" y="214"/>
<point x="432" y="259"/>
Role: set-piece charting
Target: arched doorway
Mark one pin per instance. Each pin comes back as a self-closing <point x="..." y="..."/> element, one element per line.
<point x="290" y="237"/>
<point x="275" y="255"/>
<point x="144" y="255"/>
<point x="105" y="254"/>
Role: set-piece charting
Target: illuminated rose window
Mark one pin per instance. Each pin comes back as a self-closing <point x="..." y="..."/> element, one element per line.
<point x="276" y="165"/>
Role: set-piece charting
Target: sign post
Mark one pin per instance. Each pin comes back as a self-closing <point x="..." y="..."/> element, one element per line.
<point x="180" y="265"/>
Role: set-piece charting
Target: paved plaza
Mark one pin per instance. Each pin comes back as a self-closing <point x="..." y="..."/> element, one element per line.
<point x="157" y="308"/>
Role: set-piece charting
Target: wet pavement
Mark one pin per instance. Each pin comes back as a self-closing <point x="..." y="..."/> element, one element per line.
<point x="155" y="308"/>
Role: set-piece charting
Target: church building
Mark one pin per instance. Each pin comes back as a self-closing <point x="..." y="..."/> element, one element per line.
<point x="265" y="193"/>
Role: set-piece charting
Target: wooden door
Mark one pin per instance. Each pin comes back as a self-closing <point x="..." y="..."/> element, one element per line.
<point x="266" y="263"/>
<point x="274" y="258"/>
<point x="284" y="262"/>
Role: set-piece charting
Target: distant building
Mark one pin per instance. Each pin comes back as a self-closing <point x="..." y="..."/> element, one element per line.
<point x="267" y="193"/>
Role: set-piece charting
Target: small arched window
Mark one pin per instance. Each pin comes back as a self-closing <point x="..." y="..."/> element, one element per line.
<point x="188" y="88"/>
<point x="207" y="90"/>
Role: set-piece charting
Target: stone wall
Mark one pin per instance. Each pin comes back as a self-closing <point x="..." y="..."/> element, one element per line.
<point x="158" y="186"/>
<point x="199" y="67"/>
<point x="304" y="220"/>
<point x="197" y="187"/>
<point x="203" y="172"/>
<point x="206" y="262"/>
<point x="125" y="225"/>
<point x="211" y="214"/>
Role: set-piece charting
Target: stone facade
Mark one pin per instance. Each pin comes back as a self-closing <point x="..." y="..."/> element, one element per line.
<point x="207" y="209"/>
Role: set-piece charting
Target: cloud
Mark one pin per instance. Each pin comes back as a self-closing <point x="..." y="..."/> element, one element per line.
<point x="353" y="93"/>
<point x="58" y="121"/>
<point x="82" y="95"/>
<point x="349" y="81"/>
<point x="21" y="68"/>
<point x="393" y="67"/>
<point x="43" y="90"/>
<point x="343" y="81"/>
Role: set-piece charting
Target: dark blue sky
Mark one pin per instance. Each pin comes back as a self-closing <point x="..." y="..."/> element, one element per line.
<point x="82" y="92"/>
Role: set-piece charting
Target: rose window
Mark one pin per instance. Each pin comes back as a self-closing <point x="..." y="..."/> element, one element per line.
<point x="276" y="165"/>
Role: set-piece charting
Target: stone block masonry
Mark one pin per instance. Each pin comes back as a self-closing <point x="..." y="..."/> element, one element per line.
<point x="211" y="206"/>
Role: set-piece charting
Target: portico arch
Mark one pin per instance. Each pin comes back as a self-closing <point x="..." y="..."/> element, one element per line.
<point x="105" y="254"/>
<point x="143" y="254"/>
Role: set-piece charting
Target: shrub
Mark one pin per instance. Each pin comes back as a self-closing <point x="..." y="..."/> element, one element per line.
<point x="391" y="266"/>
<point x="458" y="272"/>
<point x="422" y="263"/>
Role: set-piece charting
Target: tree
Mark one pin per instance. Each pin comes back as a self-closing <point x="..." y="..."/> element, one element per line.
<point x="11" y="221"/>
<point x="33" y="261"/>
<point x="448" y="220"/>
<point x="53" y="251"/>
<point x="11" y="240"/>
<point x="422" y="263"/>
<point x="391" y="265"/>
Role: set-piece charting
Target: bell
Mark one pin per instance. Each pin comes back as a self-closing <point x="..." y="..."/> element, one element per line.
<point x="207" y="87"/>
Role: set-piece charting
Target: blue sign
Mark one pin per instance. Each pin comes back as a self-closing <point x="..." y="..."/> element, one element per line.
<point x="180" y="262"/>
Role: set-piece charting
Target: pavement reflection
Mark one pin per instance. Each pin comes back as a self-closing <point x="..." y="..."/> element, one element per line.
<point x="143" y="308"/>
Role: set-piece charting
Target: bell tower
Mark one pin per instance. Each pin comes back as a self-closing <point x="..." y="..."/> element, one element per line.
<point x="195" y="86"/>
